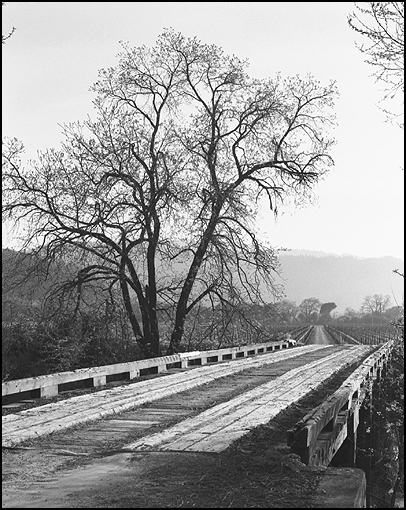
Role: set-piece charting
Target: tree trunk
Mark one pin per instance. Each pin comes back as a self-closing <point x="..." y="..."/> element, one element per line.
<point x="181" y="311"/>
<point x="133" y="319"/>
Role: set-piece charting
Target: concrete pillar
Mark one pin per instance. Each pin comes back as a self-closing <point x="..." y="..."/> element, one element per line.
<point x="99" y="380"/>
<point x="134" y="374"/>
<point x="49" y="391"/>
<point x="355" y="423"/>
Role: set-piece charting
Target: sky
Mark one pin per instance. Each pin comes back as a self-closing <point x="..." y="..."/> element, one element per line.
<point x="54" y="56"/>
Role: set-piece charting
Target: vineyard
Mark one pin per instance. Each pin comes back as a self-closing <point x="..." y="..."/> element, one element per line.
<point x="363" y="333"/>
<point x="206" y="335"/>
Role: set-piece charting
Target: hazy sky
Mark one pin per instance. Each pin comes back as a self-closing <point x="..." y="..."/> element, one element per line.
<point x="54" y="56"/>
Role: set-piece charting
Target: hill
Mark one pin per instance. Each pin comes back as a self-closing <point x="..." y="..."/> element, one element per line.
<point x="345" y="280"/>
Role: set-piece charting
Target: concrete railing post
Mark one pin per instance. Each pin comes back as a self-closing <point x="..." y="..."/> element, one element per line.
<point x="99" y="380"/>
<point x="49" y="391"/>
<point x="134" y="373"/>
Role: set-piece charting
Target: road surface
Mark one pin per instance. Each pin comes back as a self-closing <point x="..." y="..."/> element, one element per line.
<point x="158" y="447"/>
<point x="320" y="336"/>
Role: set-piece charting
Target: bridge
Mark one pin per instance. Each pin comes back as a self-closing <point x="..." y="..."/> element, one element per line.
<point x="197" y="403"/>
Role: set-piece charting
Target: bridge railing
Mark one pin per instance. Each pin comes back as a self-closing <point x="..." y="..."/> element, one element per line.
<point x="318" y="436"/>
<point x="366" y="333"/>
<point x="50" y="385"/>
<point x="304" y="335"/>
<point x="340" y="336"/>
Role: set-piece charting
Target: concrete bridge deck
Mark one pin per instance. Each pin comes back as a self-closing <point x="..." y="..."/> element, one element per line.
<point x="217" y="428"/>
<point x="49" y="418"/>
<point x="319" y="336"/>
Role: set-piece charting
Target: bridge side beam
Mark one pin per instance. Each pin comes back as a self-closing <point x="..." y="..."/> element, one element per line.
<point x="321" y="433"/>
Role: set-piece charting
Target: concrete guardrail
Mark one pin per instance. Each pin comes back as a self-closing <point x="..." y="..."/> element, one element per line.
<point x="50" y="385"/>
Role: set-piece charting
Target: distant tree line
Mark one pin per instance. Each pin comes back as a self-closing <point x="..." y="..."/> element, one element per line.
<point x="376" y="309"/>
<point x="44" y="331"/>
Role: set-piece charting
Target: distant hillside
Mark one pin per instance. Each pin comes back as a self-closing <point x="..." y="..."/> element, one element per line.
<point x="345" y="280"/>
<point x="317" y="253"/>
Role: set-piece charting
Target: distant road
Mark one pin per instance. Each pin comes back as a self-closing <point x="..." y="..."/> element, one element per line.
<point x="319" y="336"/>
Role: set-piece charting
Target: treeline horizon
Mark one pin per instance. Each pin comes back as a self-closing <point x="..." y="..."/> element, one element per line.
<point x="42" y="333"/>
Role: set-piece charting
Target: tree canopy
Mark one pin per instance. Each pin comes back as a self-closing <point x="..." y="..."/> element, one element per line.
<point x="157" y="197"/>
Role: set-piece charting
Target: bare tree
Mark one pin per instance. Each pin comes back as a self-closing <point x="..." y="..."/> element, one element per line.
<point x="376" y="304"/>
<point x="158" y="196"/>
<point x="382" y="23"/>
<point x="309" y="306"/>
<point x="351" y="313"/>
<point x="287" y="310"/>
<point x="5" y="37"/>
